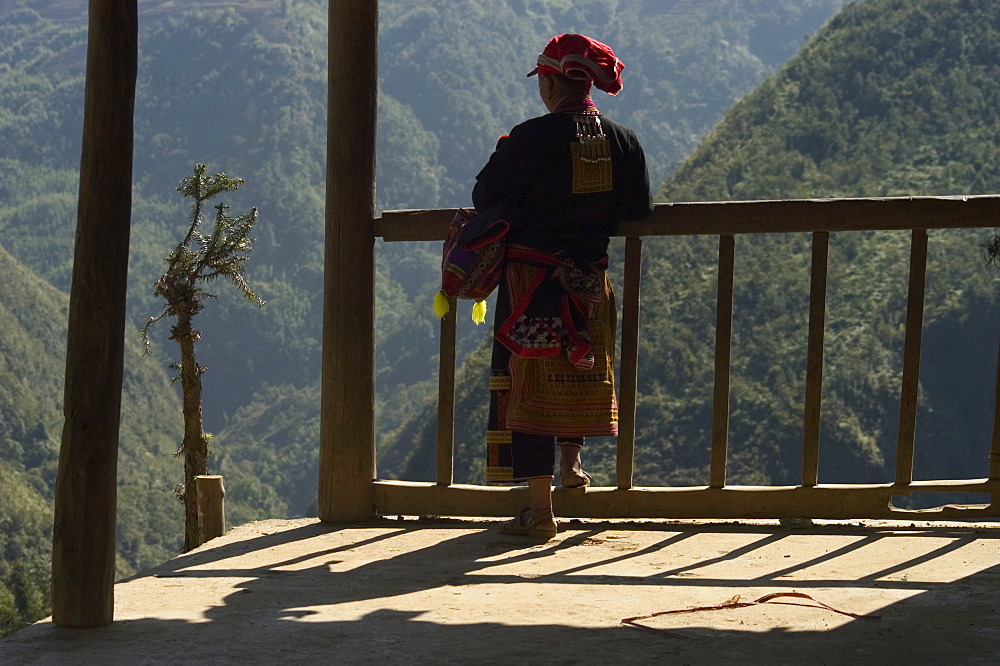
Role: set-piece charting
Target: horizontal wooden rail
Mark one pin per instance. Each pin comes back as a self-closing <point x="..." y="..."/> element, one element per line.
<point x="752" y="217"/>
<point x="829" y="501"/>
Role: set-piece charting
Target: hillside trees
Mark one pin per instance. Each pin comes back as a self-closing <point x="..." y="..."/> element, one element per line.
<point x="450" y="83"/>
<point x="859" y="112"/>
<point x="862" y="112"/>
<point x="32" y="342"/>
<point x="892" y="98"/>
<point x="447" y="91"/>
<point x="900" y="89"/>
<point x="271" y="132"/>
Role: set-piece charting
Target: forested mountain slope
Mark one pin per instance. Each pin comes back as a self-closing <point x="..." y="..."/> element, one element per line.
<point x="32" y="339"/>
<point x="32" y="325"/>
<point x="890" y="98"/>
<point x="241" y="86"/>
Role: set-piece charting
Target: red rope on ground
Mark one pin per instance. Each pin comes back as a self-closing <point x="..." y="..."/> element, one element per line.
<point x="736" y="603"/>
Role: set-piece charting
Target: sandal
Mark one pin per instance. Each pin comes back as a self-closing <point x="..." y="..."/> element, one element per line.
<point x="542" y="527"/>
<point x="575" y="478"/>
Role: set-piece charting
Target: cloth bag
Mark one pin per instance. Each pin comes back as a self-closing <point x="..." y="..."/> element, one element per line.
<point x="472" y="258"/>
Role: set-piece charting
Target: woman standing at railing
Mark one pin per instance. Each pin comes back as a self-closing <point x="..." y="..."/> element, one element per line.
<point x="574" y="175"/>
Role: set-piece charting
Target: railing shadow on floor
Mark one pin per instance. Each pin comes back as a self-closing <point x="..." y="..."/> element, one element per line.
<point x="278" y="607"/>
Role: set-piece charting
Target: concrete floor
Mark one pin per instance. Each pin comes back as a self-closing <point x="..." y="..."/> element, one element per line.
<point x="459" y="591"/>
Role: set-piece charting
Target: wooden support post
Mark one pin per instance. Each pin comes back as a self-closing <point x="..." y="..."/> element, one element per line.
<point x="211" y="507"/>
<point x="83" y="536"/>
<point x="630" y="362"/>
<point x="814" y="359"/>
<point x="723" y="350"/>
<point x="995" y="448"/>
<point x="911" y="357"/>
<point x="347" y="412"/>
<point x="446" y="398"/>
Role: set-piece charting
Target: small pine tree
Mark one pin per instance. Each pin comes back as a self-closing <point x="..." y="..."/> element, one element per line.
<point x="196" y="260"/>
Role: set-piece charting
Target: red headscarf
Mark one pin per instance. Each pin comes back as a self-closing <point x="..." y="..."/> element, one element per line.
<point x="580" y="57"/>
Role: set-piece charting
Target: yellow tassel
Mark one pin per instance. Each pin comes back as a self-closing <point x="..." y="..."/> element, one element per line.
<point x="441" y="306"/>
<point x="479" y="312"/>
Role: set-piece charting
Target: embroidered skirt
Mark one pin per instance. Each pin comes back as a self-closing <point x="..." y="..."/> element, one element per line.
<point x="543" y="392"/>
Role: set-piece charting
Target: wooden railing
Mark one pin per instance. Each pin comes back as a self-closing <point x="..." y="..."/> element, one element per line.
<point x="718" y="500"/>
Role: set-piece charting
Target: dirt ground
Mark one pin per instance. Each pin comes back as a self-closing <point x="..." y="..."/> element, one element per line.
<point x="459" y="591"/>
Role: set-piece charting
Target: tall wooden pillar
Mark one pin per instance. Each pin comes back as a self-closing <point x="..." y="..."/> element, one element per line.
<point x="347" y="413"/>
<point x="83" y="538"/>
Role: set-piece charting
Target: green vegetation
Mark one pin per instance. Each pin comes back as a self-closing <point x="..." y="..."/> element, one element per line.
<point x="245" y="85"/>
<point x="809" y="131"/>
<point x="891" y="97"/>
<point x="33" y="317"/>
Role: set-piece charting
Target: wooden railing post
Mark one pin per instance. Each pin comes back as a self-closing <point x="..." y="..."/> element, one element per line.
<point x="911" y="357"/>
<point x="814" y="359"/>
<point x="211" y="507"/>
<point x="723" y="350"/>
<point x="347" y="409"/>
<point x="446" y="398"/>
<point x="630" y="360"/>
<point x="83" y="535"/>
<point x="995" y="447"/>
